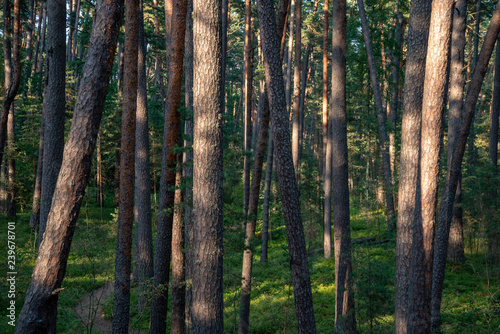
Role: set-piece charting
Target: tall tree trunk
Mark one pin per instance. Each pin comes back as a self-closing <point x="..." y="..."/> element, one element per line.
<point x="420" y="13"/>
<point x="381" y="118"/>
<point x="12" y="71"/>
<point x="344" y="302"/>
<point x="433" y="106"/>
<point x="144" y="252"/>
<point x="493" y="233"/>
<point x="72" y="54"/>
<point x="50" y="267"/>
<point x="296" y="87"/>
<point x="448" y="197"/>
<point x="171" y="139"/>
<point x="38" y="39"/>
<point x="29" y="43"/>
<point x="121" y="303"/>
<point x="188" y="163"/>
<point x="288" y="81"/>
<point x="288" y="185"/>
<point x="327" y="148"/>
<point x="208" y="302"/>
<point x="457" y="82"/>
<point x="11" y="189"/>
<point x="37" y="193"/>
<point x="248" y="88"/>
<point x="476" y="33"/>
<point x="54" y="105"/>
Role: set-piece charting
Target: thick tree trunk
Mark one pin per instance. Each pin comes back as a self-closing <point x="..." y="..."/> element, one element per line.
<point x="494" y="229"/>
<point x="288" y="185"/>
<point x="296" y="88"/>
<point x="171" y="139"/>
<point x="420" y="13"/>
<point x="144" y="252"/>
<point x="381" y="118"/>
<point x="433" y="106"/>
<point x="344" y="303"/>
<point x="457" y="82"/>
<point x="54" y="106"/>
<point x="448" y="197"/>
<point x="121" y="304"/>
<point x="50" y="267"/>
<point x="207" y="302"/>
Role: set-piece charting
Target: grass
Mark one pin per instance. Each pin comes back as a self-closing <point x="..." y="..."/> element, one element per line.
<point x="471" y="302"/>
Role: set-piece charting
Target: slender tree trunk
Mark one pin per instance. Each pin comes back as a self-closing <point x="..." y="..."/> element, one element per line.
<point x="288" y="80"/>
<point x="43" y="41"/>
<point x="171" y="139"/>
<point x="37" y="193"/>
<point x="29" y="43"/>
<point x="476" y="33"/>
<point x="457" y="82"/>
<point x="344" y="302"/>
<point x="116" y="186"/>
<point x="288" y="185"/>
<point x="327" y="148"/>
<point x="208" y="302"/>
<point x="188" y="164"/>
<point x="11" y="193"/>
<point x="296" y="87"/>
<point x="50" y="267"/>
<point x="248" y="82"/>
<point x="420" y="13"/>
<point x="381" y="118"/>
<point x="121" y="304"/>
<point x="144" y="252"/>
<point x="72" y="54"/>
<point x="10" y="70"/>
<point x="267" y="193"/>
<point x="54" y="105"/>
<point x="448" y="197"/>
<point x="433" y="106"/>
<point x="38" y="39"/>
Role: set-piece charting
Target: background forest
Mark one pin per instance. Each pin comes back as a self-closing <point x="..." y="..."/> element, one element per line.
<point x="379" y="48"/>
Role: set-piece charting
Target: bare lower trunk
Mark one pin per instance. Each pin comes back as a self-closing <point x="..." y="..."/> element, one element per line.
<point x="267" y="193"/>
<point x="11" y="189"/>
<point x="35" y="211"/>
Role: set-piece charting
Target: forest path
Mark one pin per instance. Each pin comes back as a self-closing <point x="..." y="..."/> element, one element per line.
<point x="90" y="312"/>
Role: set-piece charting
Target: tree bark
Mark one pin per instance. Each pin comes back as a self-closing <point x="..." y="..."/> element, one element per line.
<point x="37" y="193"/>
<point x="144" y="252"/>
<point x="171" y="140"/>
<point x="327" y="148"/>
<point x="208" y="302"/>
<point x="344" y="302"/>
<point x="296" y="87"/>
<point x="54" y="105"/>
<point x="457" y="82"/>
<point x="11" y="189"/>
<point x="121" y="304"/>
<point x="50" y="267"/>
<point x="448" y="197"/>
<point x="265" y="209"/>
<point x="420" y="13"/>
<point x="288" y="185"/>
<point x="381" y="118"/>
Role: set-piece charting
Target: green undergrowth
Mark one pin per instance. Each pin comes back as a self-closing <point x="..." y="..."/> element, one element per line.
<point x="471" y="302"/>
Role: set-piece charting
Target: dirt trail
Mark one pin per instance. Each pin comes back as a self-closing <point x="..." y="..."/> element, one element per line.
<point x="90" y="312"/>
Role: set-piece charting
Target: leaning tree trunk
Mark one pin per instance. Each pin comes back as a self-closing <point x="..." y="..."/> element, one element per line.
<point x="144" y="252"/>
<point x="207" y="248"/>
<point x="448" y="197"/>
<point x="410" y="153"/>
<point x="381" y="118"/>
<point x="457" y="82"/>
<point x="344" y="302"/>
<point x="54" y="105"/>
<point x="171" y="139"/>
<point x="50" y="267"/>
<point x="288" y="185"/>
<point x="433" y="106"/>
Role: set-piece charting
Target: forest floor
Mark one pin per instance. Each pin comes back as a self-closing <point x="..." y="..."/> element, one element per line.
<point x="471" y="299"/>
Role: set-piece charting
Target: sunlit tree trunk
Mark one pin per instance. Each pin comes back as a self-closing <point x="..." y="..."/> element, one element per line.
<point x="296" y="87"/>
